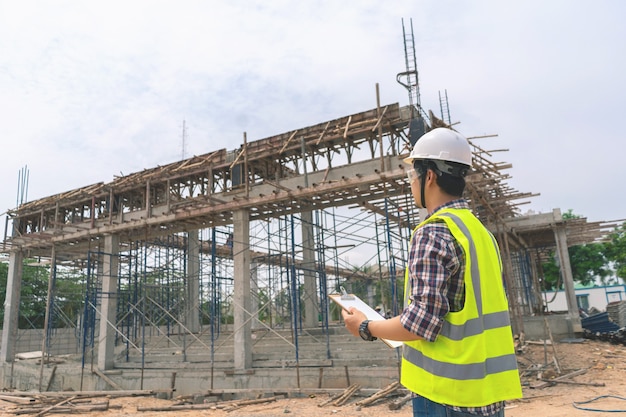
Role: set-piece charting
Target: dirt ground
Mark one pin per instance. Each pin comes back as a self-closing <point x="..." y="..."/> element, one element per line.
<point x="601" y="383"/>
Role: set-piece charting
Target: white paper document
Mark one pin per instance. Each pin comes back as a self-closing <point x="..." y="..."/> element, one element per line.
<point x="350" y="300"/>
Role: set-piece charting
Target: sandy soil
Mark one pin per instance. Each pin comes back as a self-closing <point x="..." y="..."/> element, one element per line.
<point x="602" y="380"/>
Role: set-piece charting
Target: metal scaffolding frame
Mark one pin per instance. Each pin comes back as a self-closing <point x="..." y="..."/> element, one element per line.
<point x="152" y="274"/>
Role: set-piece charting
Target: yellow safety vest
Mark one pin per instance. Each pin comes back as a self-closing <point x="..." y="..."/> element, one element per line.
<point x="472" y="362"/>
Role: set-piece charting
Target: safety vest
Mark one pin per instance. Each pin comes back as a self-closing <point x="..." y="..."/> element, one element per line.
<point x="472" y="362"/>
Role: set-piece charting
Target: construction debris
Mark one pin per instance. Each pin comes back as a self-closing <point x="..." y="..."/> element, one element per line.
<point x="397" y="404"/>
<point x="341" y="398"/>
<point x="389" y="389"/>
<point x="40" y="404"/>
<point x="17" y="399"/>
<point x="547" y="383"/>
<point x="67" y="406"/>
<point x="348" y="393"/>
<point x="384" y="393"/>
<point x="225" y="405"/>
<point x="590" y="384"/>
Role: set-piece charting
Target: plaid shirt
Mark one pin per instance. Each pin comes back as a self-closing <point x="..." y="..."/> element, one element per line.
<point x="436" y="270"/>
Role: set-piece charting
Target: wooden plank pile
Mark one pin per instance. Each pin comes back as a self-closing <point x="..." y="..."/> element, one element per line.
<point x="64" y="403"/>
<point x="82" y="402"/>
<point x="617" y="312"/>
<point x="222" y="405"/>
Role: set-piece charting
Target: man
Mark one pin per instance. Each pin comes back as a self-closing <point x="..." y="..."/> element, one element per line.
<point x="458" y="352"/>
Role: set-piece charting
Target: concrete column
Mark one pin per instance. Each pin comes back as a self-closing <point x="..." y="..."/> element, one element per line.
<point x="193" y="281"/>
<point x="311" y="301"/>
<point x="11" y="306"/>
<point x="568" y="278"/>
<point x="108" y="306"/>
<point x="241" y="297"/>
<point x="254" y="289"/>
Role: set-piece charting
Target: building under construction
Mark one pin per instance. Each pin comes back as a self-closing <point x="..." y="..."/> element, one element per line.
<point x="213" y="272"/>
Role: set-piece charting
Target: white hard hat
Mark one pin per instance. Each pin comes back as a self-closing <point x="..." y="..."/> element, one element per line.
<point x="441" y="144"/>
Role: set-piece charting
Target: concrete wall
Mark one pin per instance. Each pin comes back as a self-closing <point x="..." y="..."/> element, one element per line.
<point x="62" y="342"/>
<point x="372" y="365"/>
<point x="559" y="324"/>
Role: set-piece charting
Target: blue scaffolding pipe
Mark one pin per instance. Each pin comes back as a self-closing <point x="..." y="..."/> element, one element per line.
<point x="323" y="285"/>
<point x="295" y="305"/>
<point x="392" y="262"/>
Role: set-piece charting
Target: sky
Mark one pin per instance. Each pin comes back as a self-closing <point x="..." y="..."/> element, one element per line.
<point x="90" y="90"/>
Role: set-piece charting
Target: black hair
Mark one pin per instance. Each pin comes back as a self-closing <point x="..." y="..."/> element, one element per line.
<point x="449" y="183"/>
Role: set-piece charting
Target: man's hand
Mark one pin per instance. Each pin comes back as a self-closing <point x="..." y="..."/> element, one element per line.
<point x="353" y="320"/>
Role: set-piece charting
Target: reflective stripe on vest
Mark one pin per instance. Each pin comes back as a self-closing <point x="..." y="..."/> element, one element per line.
<point x="461" y="372"/>
<point x="475" y="326"/>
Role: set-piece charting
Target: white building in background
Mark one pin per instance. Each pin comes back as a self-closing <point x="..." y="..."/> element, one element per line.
<point x="597" y="297"/>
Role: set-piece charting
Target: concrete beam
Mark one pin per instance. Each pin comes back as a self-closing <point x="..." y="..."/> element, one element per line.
<point x="535" y="220"/>
<point x="356" y="176"/>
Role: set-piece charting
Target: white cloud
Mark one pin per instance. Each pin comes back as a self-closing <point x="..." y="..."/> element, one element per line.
<point x="90" y="89"/>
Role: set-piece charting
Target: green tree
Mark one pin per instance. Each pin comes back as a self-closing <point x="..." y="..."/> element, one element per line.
<point x="588" y="262"/>
<point x="616" y="251"/>
<point x="264" y="305"/>
<point x="34" y="292"/>
<point x="68" y="295"/>
<point x="551" y="275"/>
